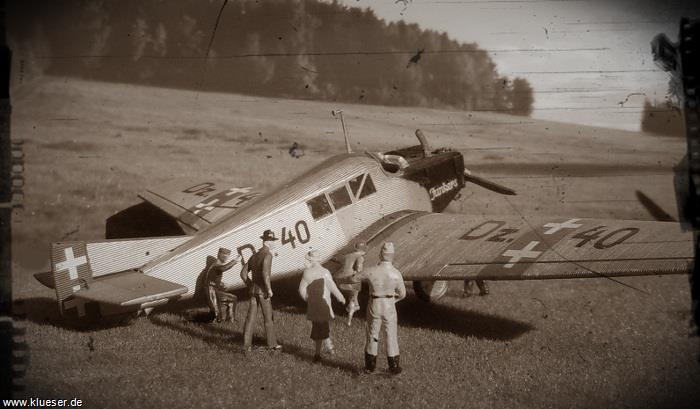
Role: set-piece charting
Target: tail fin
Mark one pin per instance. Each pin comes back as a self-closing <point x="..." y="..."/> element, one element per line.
<point x="71" y="270"/>
<point x="76" y="265"/>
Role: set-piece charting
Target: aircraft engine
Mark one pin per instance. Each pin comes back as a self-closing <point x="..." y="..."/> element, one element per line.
<point x="430" y="291"/>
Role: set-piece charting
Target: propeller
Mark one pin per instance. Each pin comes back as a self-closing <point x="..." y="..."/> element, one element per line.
<point x="487" y="184"/>
<point x="654" y="209"/>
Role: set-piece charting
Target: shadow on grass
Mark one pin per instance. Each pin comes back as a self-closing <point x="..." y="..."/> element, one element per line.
<point x="44" y="311"/>
<point x="416" y="313"/>
<point x="229" y="337"/>
<point x="213" y="334"/>
<point x="412" y="313"/>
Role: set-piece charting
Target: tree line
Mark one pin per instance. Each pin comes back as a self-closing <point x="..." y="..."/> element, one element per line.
<point x="282" y="48"/>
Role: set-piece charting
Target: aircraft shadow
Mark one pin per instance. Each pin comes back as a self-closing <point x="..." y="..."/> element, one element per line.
<point x="412" y="313"/>
<point x="439" y="317"/>
<point x="44" y="311"/>
<point x="229" y="337"/>
<point x="416" y="314"/>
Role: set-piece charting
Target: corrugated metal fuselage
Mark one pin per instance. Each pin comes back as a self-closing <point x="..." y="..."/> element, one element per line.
<point x="290" y="212"/>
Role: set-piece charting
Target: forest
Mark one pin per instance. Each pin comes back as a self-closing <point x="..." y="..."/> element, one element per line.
<point x="306" y="49"/>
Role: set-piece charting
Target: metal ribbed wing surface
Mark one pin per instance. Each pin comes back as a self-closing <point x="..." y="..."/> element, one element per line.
<point x="198" y="204"/>
<point x="129" y="288"/>
<point x="433" y="246"/>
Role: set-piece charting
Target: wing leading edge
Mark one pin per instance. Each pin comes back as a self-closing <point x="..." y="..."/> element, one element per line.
<point x="432" y="246"/>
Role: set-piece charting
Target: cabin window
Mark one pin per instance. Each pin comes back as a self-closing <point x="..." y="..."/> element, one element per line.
<point x="340" y="197"/>
<point x="319" y="207"/>
<point x="368" y="187"/>
<point x="355" y="184"/>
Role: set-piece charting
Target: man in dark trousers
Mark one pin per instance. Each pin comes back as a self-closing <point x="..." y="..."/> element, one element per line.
<point x="256" y="275"/>
<point x="469" y="288"/>
<point x="222" y="304"/>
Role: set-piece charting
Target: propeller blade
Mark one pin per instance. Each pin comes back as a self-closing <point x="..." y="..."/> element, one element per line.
<point x="654" y="209"/>
<point x="487" y="184"/>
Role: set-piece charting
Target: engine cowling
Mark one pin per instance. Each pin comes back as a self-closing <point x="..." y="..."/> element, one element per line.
<point x="430" y="291"/>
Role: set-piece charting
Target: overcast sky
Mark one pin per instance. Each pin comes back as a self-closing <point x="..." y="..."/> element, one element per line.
<point x="602" y="48"/>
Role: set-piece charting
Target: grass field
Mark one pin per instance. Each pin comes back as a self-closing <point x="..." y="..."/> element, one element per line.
<point x="90" y="147"/>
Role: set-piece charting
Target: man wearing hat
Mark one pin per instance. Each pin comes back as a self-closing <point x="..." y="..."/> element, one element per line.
<point x="256" y="275"/>
<point x="386" y="287"/>
<point x="316" y="287"/>
<point x="222" y="304"/>
<point x="347" y="278"/>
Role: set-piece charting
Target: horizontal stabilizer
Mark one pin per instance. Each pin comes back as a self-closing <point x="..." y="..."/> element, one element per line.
<point x="45" y="278"/>
<point x="105" y="271"/>
<point x="129" y="288"/>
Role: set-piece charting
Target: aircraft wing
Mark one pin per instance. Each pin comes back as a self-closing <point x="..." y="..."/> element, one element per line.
<point x="438" y="246"/>
<point x="197" y="205"/>
<point x="129" y="288"/>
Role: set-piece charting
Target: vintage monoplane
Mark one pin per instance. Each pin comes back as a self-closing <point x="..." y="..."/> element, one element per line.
<point x="393" y="196"/>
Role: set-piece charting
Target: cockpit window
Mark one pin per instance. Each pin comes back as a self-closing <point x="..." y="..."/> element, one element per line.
<point x="319" y="207"/>
<point x="368" y="187"/>
<point x="355" y="185"/>
<point x="340" y="197"/>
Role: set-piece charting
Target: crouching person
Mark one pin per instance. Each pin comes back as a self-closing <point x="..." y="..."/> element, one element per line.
<point x="315" y="288"/>
<point x="222" y="304"/>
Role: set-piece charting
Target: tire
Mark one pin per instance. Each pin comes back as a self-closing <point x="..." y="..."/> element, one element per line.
<point x="430" y="291"/>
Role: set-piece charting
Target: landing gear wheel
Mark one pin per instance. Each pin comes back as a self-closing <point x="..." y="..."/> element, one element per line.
<point x="430" y="291"/>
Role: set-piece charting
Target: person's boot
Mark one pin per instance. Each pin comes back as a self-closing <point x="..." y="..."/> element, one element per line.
<point x="468" y="289"/>
<point x="483" y="288"/>
<point x="370" y="363"/>
<point x="394" y="367"/>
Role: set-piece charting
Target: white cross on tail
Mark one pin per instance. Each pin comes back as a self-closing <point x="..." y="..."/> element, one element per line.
<point x="71" y="263"/>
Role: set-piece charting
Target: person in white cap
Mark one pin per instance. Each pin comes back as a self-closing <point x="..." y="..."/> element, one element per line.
<point x="316" y="287"/>
<point x="386" y="287"/>
<point x="346" y="278"/>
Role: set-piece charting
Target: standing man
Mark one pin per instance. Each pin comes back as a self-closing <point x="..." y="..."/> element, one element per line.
<point x="316" y="287"/>
<point x="347" y="278"/>
<point x="256" y="275"/>
<point x="386" y="287"/>
<point x="222" y="304"/>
